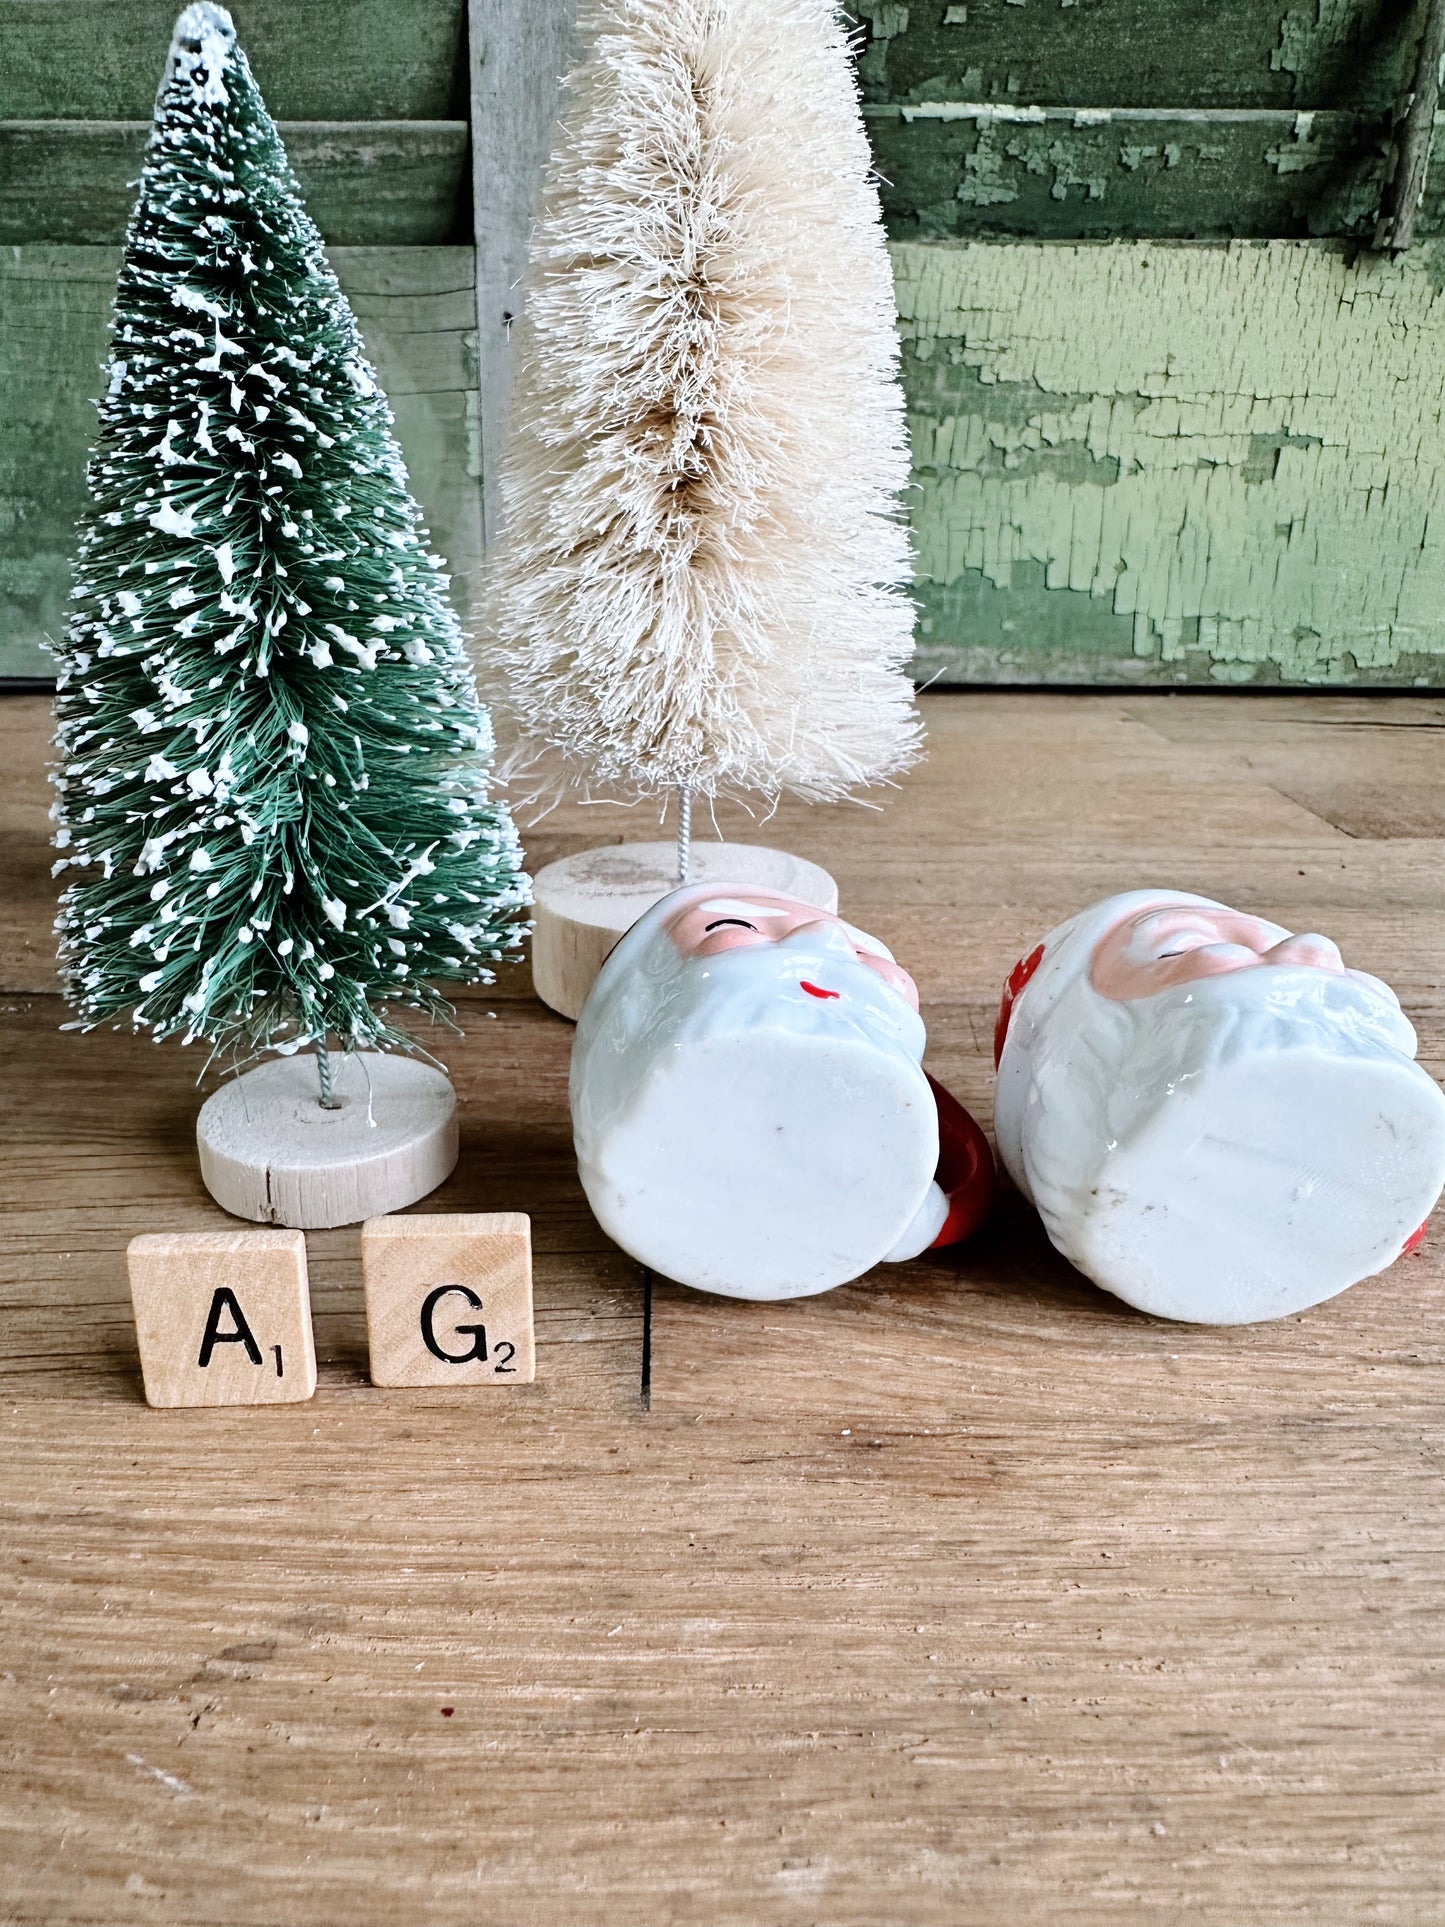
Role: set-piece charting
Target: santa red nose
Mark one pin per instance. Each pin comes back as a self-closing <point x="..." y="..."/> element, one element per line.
<point x="816" y="990"/>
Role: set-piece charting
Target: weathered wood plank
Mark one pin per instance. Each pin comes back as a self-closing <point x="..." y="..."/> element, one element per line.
<point x="518" y="56"/>
<point x="314" y="59"/>
<point x="953" y="167"/>
<point x="1255" y="802"/>
<point x="416" y="308"/>
<point x="1155" y="463"/>
<point x="1046" y="1617"/>
<point x="1295" y="54"/>
<point x="952" y="171"/>
<point x="366" y="183"/>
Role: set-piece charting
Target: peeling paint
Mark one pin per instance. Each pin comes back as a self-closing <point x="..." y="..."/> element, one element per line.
<point x="982" y="110"/>
<point x="1303" y="152"/>
<point x="948" y="166"/>
<point x="1225" y="461"/>
<point x="888" y="19"/>
<point x="1309" y="41"/>
<point x="983" y="182"/>
<point x="1065" y="174"/>
<point x="1343" y="55"/>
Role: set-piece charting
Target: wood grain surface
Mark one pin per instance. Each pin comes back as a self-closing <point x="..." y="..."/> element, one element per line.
<point x="963" y="1596"/>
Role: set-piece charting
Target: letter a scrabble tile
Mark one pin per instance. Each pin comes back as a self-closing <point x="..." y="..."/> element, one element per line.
<point x="449" y="1298"/>
<point x="223" y="1317"/>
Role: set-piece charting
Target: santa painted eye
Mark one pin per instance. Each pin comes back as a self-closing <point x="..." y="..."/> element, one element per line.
<point x="737" y="921"/>
<point x="1180" y="943"/>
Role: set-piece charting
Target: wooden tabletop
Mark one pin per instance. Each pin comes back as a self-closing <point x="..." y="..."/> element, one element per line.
<point x="964" y="1595"/>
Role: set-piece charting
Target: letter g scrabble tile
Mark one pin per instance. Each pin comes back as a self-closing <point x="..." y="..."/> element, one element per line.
<point x="449" y="1298"/>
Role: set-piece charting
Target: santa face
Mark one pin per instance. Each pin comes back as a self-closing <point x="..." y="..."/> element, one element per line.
<point x="1184" y="941"/>
<point x="1217" y="1120"/>
<point x="716" y="923"/>
<point x="749" y="1108"/>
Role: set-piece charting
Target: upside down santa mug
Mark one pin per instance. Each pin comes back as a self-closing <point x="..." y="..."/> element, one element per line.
<point x="749" y="1107"/>
<point x="1216" y="1120"/>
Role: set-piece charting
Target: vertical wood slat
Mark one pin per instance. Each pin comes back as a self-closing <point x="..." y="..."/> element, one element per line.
<point x="518" y="54"/>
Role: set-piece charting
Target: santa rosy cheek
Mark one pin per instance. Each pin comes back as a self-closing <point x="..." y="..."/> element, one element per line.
<point x="814" y="991"/>
<point x="892" y="974"/>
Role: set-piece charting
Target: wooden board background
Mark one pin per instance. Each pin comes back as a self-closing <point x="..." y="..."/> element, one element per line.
<point x="1141" y="53"/>
<point x="1132" y="468"/>
<point x="367" y="183"/>
<point x="341" y="60"/>
<point x="965" y="1594"/>
<point x="1145" y="463"/>
<point x="1124" y="469"/>
<point x="1134" y="117"/>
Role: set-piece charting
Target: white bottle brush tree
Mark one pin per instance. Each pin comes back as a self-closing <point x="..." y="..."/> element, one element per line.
<point x="273" y="802"/>
<point x="699" y="589"/>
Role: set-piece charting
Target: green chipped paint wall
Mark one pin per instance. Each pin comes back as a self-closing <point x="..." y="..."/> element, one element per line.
<point x="1172" y="420"/>
<point x="1154" y="463"/>
<point x="1171" y="423"/>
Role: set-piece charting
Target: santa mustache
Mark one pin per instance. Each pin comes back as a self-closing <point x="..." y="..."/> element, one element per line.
<point x="1115" y="1062"/>
<point x="1275" y="1007"/>
<point x="810" y="981"/>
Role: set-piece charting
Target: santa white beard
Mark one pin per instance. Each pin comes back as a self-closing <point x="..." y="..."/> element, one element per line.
<point x="740" y="1135"/>
<point x="1232" y="1149"/>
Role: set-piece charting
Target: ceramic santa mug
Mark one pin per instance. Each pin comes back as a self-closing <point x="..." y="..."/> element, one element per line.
<point x="749" y="1106"/>
<point x="1216" y="1120"/>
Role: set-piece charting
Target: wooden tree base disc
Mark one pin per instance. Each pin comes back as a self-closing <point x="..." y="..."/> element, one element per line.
<point x="270" y="1152"/>
<point x="584" y="903"/>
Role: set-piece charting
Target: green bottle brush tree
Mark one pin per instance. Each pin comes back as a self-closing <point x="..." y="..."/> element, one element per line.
<point x="273" y="804"/>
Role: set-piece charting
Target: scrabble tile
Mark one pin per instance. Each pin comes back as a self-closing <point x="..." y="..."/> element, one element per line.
<point x="449" y="1298"/>
<point x="223" y="1317"/>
